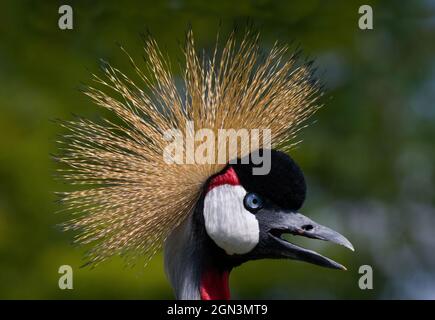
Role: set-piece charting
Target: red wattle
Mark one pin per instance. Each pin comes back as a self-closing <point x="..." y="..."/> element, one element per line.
<point x="215" y="285"/>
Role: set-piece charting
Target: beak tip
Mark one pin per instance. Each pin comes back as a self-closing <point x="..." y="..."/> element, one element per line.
<point x="339" y="266"/>
<point x="346" y="243"/>
<point x="350" y="247"/>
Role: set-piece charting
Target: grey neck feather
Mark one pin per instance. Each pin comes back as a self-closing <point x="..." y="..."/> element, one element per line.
<point x="182" y="261"/>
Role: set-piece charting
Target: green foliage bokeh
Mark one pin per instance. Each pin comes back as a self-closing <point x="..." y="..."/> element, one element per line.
<point x="369" y="154"/>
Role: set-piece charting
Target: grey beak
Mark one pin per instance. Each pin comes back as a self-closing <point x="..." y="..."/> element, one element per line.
<point x="274" y="223"/>
<point x="299" y="224"/>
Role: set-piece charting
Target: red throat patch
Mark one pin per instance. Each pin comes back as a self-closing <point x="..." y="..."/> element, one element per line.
<point x="229" y="177"/>
<point x="215" y="285"/>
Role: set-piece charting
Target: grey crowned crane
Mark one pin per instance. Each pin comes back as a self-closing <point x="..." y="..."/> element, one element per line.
<point x="210" y="217"/>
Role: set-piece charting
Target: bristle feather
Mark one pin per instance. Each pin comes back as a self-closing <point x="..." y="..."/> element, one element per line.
<point x="133" y="199"/>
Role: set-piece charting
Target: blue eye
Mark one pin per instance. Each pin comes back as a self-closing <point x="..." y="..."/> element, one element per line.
<point x="252" y="201"/>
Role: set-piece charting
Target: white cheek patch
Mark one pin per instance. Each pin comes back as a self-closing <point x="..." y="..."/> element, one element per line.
<point x="227" y="222"/>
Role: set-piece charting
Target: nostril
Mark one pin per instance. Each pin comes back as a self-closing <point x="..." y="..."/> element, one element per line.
<point x="307" y="227"/>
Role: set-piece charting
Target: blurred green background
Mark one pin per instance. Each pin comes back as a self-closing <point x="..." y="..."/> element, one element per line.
<point x="369" y="157"/>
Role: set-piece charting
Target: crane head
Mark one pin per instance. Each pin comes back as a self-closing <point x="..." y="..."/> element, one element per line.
<point x="245" y="216"/>
<point x="134" y="196"/>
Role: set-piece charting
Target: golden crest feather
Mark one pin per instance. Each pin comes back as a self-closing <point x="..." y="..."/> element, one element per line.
<point x="132" y="199"/>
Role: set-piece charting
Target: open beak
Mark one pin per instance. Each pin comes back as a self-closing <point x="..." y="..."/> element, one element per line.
<point x="274" y="224"/>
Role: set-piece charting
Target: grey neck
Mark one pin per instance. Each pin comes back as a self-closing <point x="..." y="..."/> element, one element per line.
<point x="182" y="261"/>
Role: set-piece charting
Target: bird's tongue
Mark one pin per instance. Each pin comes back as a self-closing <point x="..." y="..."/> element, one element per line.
<point x="215" y="285"/>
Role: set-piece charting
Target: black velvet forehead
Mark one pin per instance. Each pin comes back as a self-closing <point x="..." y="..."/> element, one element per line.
<point x="284" y="185"/>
